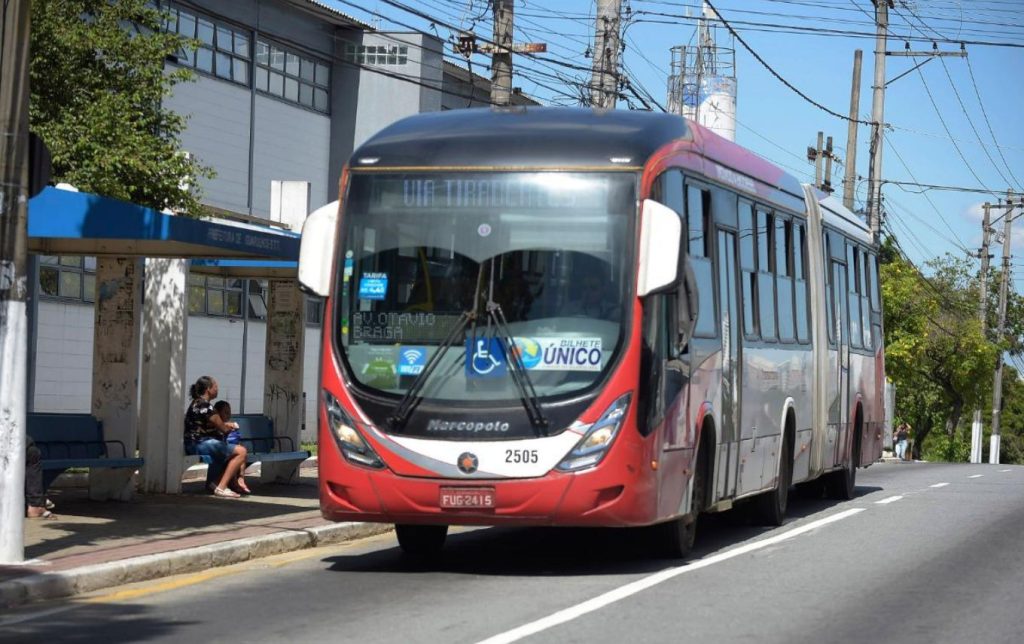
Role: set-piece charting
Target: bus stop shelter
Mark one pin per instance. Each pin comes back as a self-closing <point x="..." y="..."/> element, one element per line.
<point x="141" y="321"/>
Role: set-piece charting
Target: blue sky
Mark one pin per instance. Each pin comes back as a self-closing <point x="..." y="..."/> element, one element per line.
<point x="776" y="123"/>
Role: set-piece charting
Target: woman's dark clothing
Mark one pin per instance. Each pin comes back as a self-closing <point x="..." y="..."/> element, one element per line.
<point x="197" y="422"/>
<point x="202" y="438"/>
<point x="34" y="492"/>
<point x="901" y="435"/>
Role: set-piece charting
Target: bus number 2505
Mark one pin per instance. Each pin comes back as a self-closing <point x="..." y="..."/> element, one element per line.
<point x="521" y="456"/>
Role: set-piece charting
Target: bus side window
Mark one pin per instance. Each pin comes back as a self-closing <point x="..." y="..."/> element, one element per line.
<point x="830" y="300"/>
<point x="876" y="305"/>
<point x="865" y="307"/>
<point x="698" y="203"/>
<point x="800" y="298"/>
<point x="853" y="291"/>
<point x="668" y="190"/>
<point x="748" y="269"/>
<point x="784" y="277"/>
<point x="765" y="278"/>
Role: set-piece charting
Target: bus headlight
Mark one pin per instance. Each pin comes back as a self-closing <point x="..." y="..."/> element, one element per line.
<point x="595" y="443"/>
<point x="351" y="443"/>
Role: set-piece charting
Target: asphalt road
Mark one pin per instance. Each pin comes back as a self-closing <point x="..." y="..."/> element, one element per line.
<point x="925" y="553"/>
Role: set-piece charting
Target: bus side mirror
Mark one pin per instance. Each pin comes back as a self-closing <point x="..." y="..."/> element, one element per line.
<point x="660" y="236"/>
<point x="316" y="253"/>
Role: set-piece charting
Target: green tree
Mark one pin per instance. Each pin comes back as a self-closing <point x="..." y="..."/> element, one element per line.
<point x="935" y="352"/>
<point x="97" y="86"/>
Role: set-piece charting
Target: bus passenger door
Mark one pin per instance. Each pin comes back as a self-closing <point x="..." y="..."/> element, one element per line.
<point x="730" y="330"/>
<point x="839" y="362"/>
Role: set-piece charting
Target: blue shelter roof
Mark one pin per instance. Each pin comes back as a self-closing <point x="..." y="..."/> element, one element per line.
<point x="78" y="223"/>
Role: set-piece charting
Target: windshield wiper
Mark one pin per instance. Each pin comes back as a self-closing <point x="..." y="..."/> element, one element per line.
<point x="400" y="415"/>
<point x="521" y="378"/>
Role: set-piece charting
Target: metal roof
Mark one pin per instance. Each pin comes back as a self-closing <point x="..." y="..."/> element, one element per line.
<point x="324" y="6"/>
<point x="78" y="223"/>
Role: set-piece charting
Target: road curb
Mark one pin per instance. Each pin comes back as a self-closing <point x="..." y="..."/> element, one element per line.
<point x="66" y="583"/>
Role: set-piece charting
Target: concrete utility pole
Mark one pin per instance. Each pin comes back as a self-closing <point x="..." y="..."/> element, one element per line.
<point x="997" y="383"/>
<point x="849" y="187"/>
<point x="14" y="58"/>
<point x="604" y="84"/>
<point x="829" y="156"/>
<point x="501" y="58"/>
<point x="976" y="423"/>
<point x="817" y="160"/>
<point x="877" y="114"/>
<point x="819" y="154"/>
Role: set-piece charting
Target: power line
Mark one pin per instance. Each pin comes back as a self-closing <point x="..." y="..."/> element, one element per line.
<point x="775" y="73"/>
<point x="981" y="103"/>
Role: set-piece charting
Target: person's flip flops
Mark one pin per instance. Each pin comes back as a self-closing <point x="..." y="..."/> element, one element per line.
<point x="226" y="494"/>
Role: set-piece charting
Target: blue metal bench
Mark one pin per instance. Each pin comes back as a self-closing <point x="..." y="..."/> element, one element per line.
<point x="256" y="433"/>
<point x="75" y="440"/>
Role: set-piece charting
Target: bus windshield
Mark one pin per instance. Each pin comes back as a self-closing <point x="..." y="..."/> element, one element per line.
<point x="552" y="252"/>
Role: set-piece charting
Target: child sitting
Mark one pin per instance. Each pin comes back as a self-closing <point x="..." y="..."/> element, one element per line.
<point x="223" y="409"/>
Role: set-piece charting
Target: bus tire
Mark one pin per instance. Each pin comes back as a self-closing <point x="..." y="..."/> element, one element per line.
<point x="770" y="509"/>
<point x="676" y="537"/>
<point x="841" y="485"/>
<point x="421" y="540"/>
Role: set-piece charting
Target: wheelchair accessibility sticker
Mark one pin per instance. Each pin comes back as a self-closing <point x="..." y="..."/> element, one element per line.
<point x="485" y="358"/>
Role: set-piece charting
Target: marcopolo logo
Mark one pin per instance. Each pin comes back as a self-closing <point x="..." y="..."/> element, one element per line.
<point x="437" y="425"/>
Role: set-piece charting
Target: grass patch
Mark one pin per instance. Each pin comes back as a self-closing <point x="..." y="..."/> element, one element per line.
<point x="308" y="447"/>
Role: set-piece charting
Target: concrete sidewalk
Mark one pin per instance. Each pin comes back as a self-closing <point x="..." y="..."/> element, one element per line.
<point x="93" y="545"/>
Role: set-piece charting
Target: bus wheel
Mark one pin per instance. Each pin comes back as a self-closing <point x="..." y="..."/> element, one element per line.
<point x="770" y="508"/>
<point x="421" y="540"/>
<point x="676" y="537"/>
<point x="841" y="485"/>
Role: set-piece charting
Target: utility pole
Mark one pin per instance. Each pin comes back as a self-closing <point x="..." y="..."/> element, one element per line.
<point x="604" y="84"/>
<point x="829" y="156"/>
<point x="877" y="114"/>
<point x="849" y="187"/>
<point x="14" y="146"/>
<point x="997" y="383"/>
<point x="501" y="51"/>
<point x="822" y="179"/>
<point x="976" y="423"/>
<point x="501" y="58"/>
<point x="817" y="161"/>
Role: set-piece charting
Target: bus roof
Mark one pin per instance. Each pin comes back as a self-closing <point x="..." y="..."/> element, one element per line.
<point x="522" y="137"/>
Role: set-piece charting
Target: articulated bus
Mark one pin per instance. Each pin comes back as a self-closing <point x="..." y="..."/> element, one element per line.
<point x="568" y="317"/>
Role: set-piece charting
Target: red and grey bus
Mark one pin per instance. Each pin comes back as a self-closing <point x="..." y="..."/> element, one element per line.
<point x="567" y="317"/>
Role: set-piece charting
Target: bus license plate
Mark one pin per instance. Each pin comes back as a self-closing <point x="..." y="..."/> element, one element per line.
<point x="469" y="498"/>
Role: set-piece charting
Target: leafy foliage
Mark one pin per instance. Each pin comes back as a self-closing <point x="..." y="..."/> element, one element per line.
<point x="97" y="86"/>
<point x="939" y="359"/>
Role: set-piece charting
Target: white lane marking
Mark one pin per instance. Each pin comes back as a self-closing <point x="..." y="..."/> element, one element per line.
<point x="889" y="500"/>
<point x="975" y="476"/>
<point x="1005" y="470"/>
<point x="939" y="485"/>
<point x="18" y="619"/>
<point x="632" y="588"/>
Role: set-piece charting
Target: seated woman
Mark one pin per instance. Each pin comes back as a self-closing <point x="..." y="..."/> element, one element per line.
<point x="206" y="435"/>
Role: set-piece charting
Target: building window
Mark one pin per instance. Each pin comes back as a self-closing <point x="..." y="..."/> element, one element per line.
<point x="221" y="50"/>
<point x="209" y="295"/>
<point x="292" y="76"/>
<point x="68" y="276"/>
<point x="376" y="54"/>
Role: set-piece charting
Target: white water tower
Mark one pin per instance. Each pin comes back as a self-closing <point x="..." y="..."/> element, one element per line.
<point x="702" y="85"/>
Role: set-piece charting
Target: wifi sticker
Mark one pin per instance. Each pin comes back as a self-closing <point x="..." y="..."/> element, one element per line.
<point x="411" y="360"/>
